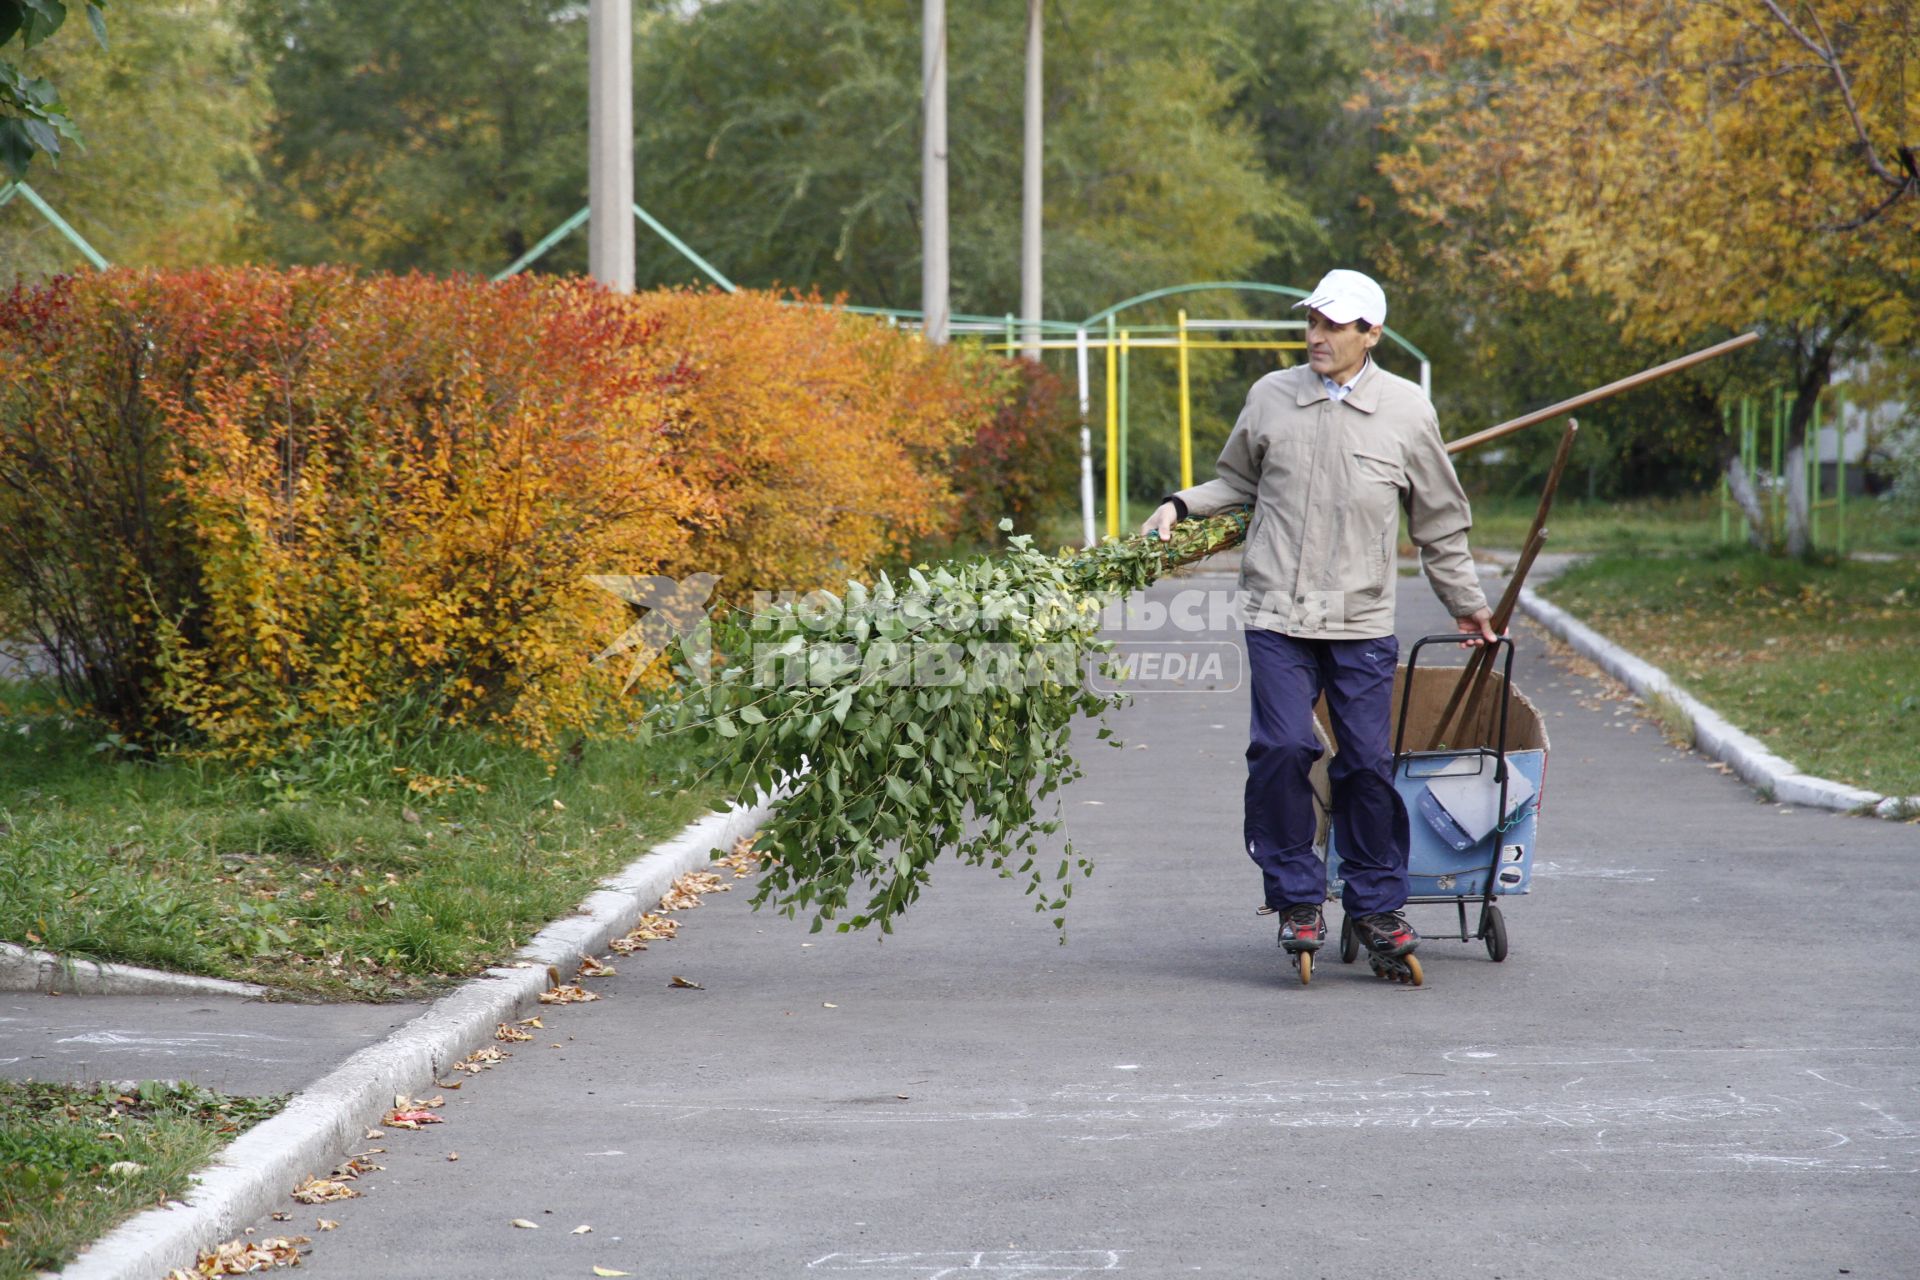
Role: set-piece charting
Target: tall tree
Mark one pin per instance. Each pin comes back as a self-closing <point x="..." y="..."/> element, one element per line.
<point x="1704" y="167"/>
<point x="438" y="134"/>
<point x="174" y="105"/>
<point x="787" y="134"/>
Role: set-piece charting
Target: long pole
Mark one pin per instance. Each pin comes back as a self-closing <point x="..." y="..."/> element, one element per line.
<point x="934" y="279"/>
<point x="1086" y="440"/>
<point x="1586" y="398"/>
<point x="610" y="143"/>
<point x="1030" y="189"/>
<point x="1482" y="660"/>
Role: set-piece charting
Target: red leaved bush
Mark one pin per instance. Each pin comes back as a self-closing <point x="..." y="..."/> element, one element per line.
<point x="251" y="505"/>
<point x="820" y="441"/>
<point x="245" y="507"/>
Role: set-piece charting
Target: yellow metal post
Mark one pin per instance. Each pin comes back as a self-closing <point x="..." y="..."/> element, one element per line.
<point x="1113" y="434"/>
<point x="1186" y="411"/>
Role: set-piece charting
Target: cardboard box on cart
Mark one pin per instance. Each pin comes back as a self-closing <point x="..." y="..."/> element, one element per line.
<point x="1435" y="867"/>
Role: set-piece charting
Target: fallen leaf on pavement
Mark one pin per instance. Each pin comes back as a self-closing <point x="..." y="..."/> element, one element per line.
<point x="243" y="1257"/>
<point x="580" y="1230"/>
<point x="510" y="1034"/>
<point x="609" y="1271"/>
<point x="524" y="1225"/>
<point x="684" y="984"/>
<point x="568" y="995"/>
<point x="825" y="1005"/>
<point x="686" y="891"/>
<point x="650" y="928"/>
<point x="320" y="1191"/>
<point x="374" y="1133"/>
<point x="487" y="1056"/>
<point x="354" y="1167"/>
<point x="592" y="968"/>
<point x="327" y="1224"/>
<point x="531" y="1022"/>
<point x="411" y="1119"/>
<point x="281" y="1217"/>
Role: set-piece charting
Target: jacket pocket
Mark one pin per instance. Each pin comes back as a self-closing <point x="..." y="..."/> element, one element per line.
<point x="1377" y="468"/>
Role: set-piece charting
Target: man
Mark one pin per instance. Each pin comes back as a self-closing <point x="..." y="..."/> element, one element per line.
<point x="1329" y="455"/>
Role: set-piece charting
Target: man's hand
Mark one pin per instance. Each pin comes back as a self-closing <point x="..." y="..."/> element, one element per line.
<point x="1478" y="628"/>
<point x="1161" y="522"/>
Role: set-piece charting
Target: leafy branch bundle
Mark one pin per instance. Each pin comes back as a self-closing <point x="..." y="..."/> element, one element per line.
<point x="899" y="720"/>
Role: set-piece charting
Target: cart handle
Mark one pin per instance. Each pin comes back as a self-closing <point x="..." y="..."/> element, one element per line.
<point x="1406" y="701"/>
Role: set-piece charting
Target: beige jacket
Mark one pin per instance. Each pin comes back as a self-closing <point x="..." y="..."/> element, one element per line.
<point x="1328" y="480"/>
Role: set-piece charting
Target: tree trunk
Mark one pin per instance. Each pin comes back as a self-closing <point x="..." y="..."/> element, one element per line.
<point x="1745" y="496"/>
<point x="1814" y="373"/>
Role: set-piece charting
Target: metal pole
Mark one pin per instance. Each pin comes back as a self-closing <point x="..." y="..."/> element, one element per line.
<point x="1186" y="411"/>
<point x="1030" y="190"/>
<point x="1126" y="368"/>
<point x="1113" y="431"/>
<point x="1086" y="440"/>
<point x="1777" y="479"/>
<point x="935" y="304"/>
<point x="1840" y="473"/>
<point x="610" y="143"/>
<point x="1812" y="475"/>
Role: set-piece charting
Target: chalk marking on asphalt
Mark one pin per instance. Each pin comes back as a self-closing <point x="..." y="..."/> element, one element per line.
<point x="1062" y="1264"/>
<point x="1575" y="871"/>
<point x="1643" y="1120"/>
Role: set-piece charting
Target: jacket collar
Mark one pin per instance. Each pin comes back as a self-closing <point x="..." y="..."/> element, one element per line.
<point x="1365" y="395"/>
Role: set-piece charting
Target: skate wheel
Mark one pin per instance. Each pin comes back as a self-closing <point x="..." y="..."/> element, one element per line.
<point x="1494" y="929"/>
<point x="1306" y="968"/>
<point x="1349" y="942"/>
<point x="1414" y="973"/>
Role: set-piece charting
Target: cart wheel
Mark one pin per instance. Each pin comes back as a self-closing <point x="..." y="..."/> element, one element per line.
<point x="1349" y="943"/>
<point x="1413" y="966"/>
<point x="1306" y="968"/>
<point x="1493" y="927"/>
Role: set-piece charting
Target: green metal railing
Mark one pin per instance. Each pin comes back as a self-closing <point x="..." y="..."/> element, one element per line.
<point x="9" y="190"/>
<point x="1750" y="416"/>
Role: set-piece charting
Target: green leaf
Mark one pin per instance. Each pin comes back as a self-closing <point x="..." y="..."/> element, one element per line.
<point x="43" y="18"/>
<point x="750" y="714"/>
<point x="98" y="21"/>
<point x="727" y="728"/>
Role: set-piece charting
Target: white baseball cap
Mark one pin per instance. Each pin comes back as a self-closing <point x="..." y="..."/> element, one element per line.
<point x="1344" y="296"/>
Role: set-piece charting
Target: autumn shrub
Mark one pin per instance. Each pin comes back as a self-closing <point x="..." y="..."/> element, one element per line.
<point x="244" y="507"/>
<point x="253" y="511"/>
<point x="1023" y="460"/>
<point x="820" y="442"/>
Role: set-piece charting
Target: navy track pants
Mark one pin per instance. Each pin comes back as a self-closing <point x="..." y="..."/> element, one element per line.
<point x="1369" y="818"/>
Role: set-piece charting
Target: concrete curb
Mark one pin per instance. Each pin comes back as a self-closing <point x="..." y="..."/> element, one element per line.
<point x="1758" y="767"/>
<point x="25" y="969"/>
<point x="327" y="1119"/>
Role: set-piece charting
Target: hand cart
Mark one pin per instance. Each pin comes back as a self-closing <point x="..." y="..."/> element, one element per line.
<point x="1472" y="808"/>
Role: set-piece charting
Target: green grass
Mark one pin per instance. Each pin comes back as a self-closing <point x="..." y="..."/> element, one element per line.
<point x="1670" y="525"/>
<point x="1819" y="660"/>
<point x="1643" y="525"/>
<point x="370" y="869"/>
<point x="76" y="1159"/>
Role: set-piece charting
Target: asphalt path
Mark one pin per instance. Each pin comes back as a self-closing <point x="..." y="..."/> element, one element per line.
<point x="249" y="1047"/>
<point x="1700" y="1059"/>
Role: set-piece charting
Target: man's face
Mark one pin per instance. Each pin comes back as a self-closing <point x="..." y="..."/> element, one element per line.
<point x="1337" y="350"/>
